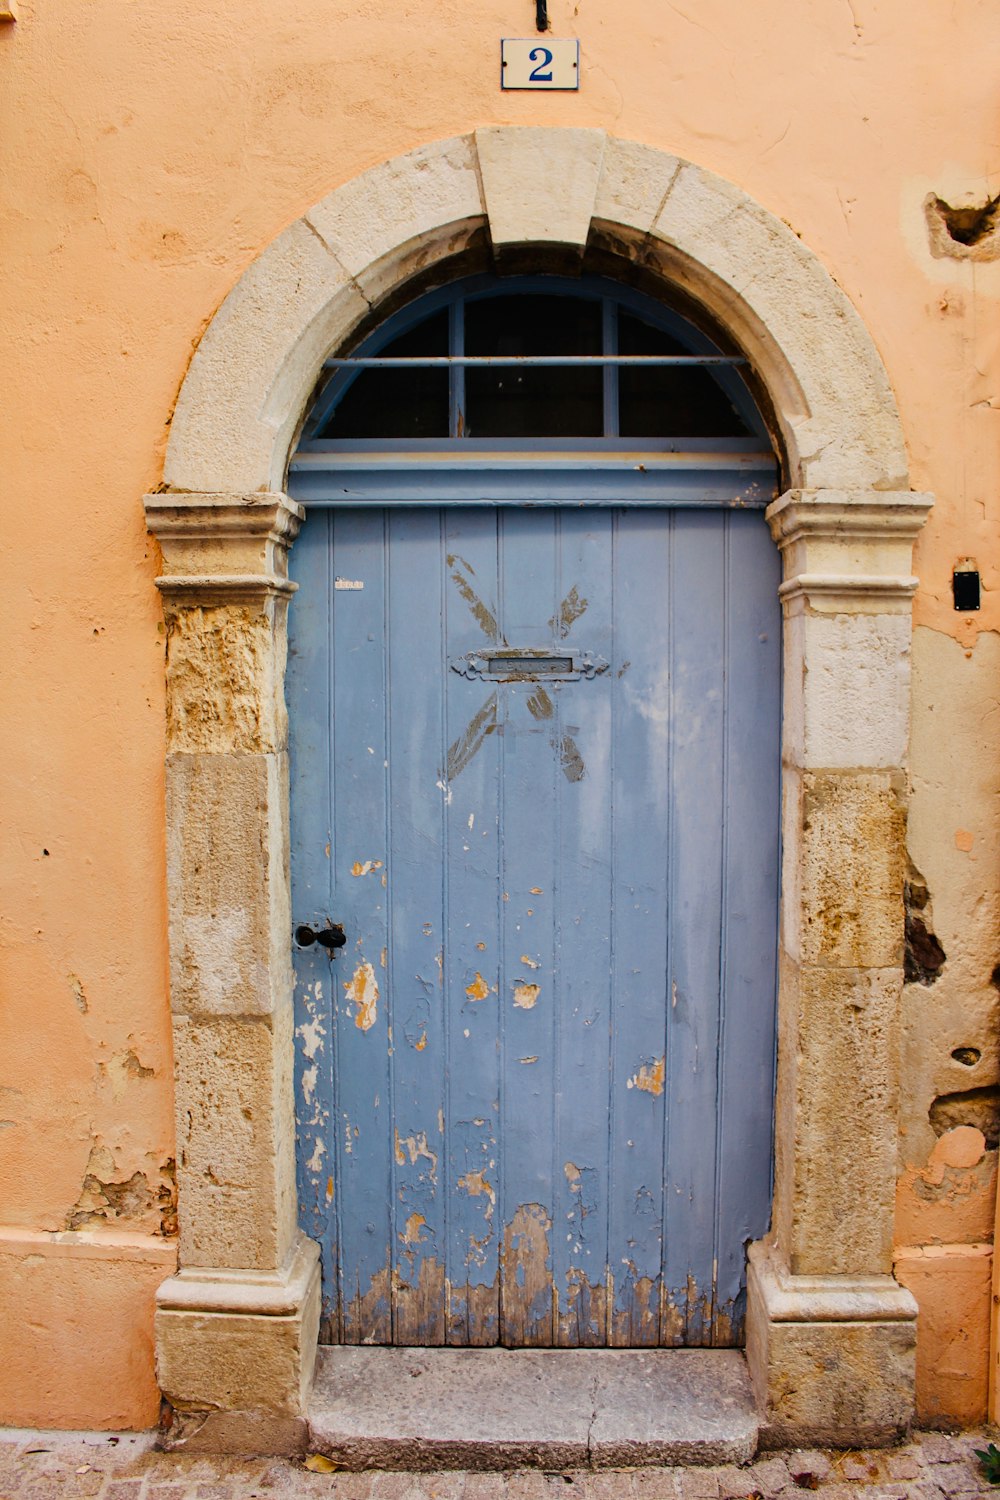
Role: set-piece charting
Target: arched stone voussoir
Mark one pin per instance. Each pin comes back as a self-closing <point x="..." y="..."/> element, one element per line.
<point x="827" y="384"/>
<point x="251" y="376"/>
<point x="796" y="325"/>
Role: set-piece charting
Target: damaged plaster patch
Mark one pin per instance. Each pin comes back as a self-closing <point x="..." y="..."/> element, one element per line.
<point x="969" y="232"/>
<point x="79" y="993"/>
<point x="950" y="1199"/>
<point x="107" y="1197"/>
<point x="121" y="1068"/>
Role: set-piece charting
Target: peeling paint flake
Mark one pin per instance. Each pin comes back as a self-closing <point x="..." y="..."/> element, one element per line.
<point x="477" y="1186"/>
<point x="650" y="1077"/>
<point x="570" y="759"/>
<point x="483" y="616"/>
<point x="359" y="868"/>
<point x="312" y="1034"/>
<point x="362" y="992"/>
<point x="526" y="995"/>
<point x="478" y="989"/>
<point x="411" y="1234"/>
<point x="572" y="607"/>
<point x="469" y="742"/>
<point x="414" y="1148"/>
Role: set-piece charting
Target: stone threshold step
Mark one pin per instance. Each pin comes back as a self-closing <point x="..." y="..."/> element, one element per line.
<point x="530" y="1408"/>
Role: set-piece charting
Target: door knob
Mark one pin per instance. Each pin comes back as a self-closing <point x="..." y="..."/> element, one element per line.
<point x="332" y="936"/>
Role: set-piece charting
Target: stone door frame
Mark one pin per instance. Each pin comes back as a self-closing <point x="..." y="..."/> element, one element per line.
<point x="830" y="1334"/>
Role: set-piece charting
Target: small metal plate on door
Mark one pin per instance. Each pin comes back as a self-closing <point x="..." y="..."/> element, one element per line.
<point x="529" y="665"/>
<point x="533" y="63"/>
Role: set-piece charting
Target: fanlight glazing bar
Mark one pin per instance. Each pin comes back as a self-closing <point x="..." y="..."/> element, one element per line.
<point x="557" y="361"/>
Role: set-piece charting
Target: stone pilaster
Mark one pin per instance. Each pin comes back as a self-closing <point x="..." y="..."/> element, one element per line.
<point x="831" y="1336"/>
<point x="236" y="1327"/>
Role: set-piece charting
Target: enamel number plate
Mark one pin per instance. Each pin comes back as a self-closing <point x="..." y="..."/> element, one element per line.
<point x="540" y="63"/>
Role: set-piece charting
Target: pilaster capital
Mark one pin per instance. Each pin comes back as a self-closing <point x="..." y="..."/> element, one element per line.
<point x="221" y="548"/>
<point x="848" y="550"/>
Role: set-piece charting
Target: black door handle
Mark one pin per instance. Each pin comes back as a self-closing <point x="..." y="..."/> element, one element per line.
<point x="332" y="936"/>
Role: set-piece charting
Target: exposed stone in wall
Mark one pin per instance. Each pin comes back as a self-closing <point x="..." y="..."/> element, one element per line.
<point x="218" y="658"/>
<point x="950" y="1101"/>
<point x="977" y="1109"/>
<point x="951" y="1008"/>
<point x="923" y="956"/>
<point x="854" y="823"/>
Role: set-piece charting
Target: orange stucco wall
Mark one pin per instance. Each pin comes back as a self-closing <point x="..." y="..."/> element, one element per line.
<point x="148" y="151"/>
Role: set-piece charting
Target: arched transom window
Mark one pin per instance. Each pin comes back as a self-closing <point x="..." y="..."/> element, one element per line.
<point x="491" y="368"/>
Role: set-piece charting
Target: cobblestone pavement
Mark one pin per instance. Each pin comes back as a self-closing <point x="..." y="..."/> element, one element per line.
<point x="96" y="1466"/>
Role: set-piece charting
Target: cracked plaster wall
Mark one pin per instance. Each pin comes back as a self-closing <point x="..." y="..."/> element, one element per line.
<point x="149" y="152"/>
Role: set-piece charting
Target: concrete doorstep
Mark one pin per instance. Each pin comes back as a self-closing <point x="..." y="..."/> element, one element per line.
<point x="431" y="1409"/>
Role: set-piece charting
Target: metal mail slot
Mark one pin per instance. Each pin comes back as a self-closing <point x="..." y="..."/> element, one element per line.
<point x="529" y="666"/>
<point x="508" y="665"/>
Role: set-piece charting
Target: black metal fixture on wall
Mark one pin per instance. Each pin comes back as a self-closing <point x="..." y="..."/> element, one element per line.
<point x="542" y="15"/>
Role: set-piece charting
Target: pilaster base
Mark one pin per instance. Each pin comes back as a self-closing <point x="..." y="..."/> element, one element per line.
<point x="235" y="1351"/>
<point x="832" y="1358"/>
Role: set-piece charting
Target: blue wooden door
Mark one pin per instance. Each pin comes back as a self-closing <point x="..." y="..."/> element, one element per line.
<point x="535" y="776"/>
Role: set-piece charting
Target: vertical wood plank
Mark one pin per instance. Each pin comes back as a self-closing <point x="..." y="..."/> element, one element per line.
<point x="527" y="1001"/>
<point x="697" y="791"/>
<point x="580" y="741"/>
<point x="311" y="790"/>
<point x="472" y="936"/>
<point x="640" y="852"/>
<point x="749" y="924"/>
<point x="359" y="856"/>
<point x="417" y="810"/>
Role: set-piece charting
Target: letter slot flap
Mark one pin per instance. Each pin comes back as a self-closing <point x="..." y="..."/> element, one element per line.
<point x="529" y="664"/>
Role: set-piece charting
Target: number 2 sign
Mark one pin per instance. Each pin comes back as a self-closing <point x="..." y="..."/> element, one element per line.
<point x="533" y="63"/>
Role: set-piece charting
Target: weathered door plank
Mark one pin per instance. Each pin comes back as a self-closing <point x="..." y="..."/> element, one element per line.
<point x="527" y="584"/>
<point x="583" y="902"/>
<point x="469" y="792"/>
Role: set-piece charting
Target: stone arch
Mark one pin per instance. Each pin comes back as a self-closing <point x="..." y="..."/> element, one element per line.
<point x="251" y="375"/>
<point x="830" y="1339"/>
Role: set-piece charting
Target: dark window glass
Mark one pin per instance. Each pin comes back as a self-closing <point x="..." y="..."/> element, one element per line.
<point x="669" y="401"/>
<point x="540" y="402"/>
<point x="397" y="403"/>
